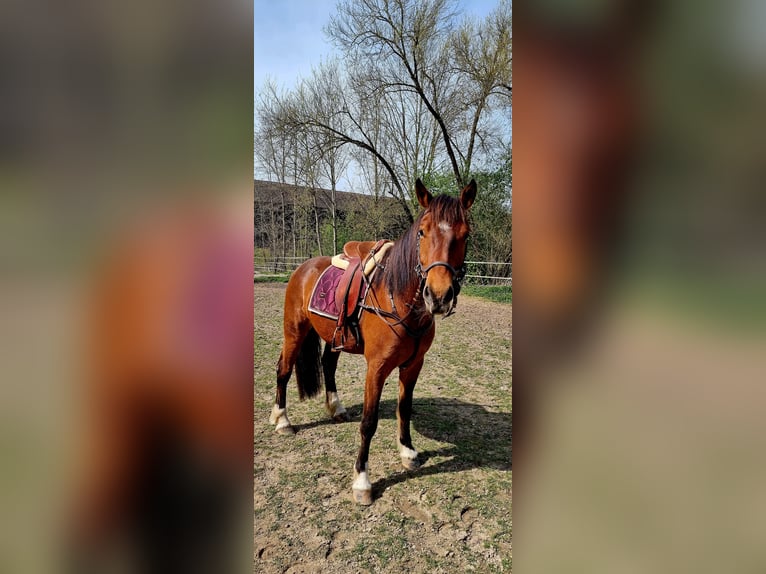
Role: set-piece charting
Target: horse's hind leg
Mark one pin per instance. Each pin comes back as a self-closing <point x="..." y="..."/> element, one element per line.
<point x="290" y="349"/>
<point x="332" y="402"/>
<point x="284" y="370"/>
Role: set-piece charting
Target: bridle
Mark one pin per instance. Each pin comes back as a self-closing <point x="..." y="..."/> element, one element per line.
<point x="457" y="279"/>
<point x="458" y="275"/>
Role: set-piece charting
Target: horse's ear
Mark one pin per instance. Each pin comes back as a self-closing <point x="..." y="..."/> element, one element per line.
<point x="424" y="196"/>
<point x="468" y="194"/>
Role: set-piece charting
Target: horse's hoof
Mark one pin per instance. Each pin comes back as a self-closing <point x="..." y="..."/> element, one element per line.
<point x="410" y="463"/>
<point x="288" y="430"/>
<point x="343" y="417"/>
<point x="363" y="497"/>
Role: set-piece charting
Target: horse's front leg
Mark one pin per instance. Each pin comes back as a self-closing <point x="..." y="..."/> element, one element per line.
<point x="376" y="377"/>
<point x="408" y="376"/>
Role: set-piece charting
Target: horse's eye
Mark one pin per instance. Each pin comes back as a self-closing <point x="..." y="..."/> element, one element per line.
<point x="420" y="233"/>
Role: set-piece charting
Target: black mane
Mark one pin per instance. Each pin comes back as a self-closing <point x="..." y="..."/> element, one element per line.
<point x="403" y="256"/>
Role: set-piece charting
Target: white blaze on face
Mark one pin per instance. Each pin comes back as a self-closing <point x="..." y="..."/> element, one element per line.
<point x="279" y="417"/>
<point x="444" y="226"/>
<point x="361" y="482"/>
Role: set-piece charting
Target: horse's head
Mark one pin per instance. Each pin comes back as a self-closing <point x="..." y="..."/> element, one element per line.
<point x="442" y="235"/>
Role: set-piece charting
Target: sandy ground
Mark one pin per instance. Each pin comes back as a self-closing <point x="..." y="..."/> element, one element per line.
<point x="451" y="515"/>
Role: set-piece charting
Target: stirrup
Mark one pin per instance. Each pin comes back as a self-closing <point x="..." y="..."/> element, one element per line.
<point x="338" y="347"/>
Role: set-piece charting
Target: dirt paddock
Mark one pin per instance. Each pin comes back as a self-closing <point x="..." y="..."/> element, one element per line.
<point x="451" y="515"/>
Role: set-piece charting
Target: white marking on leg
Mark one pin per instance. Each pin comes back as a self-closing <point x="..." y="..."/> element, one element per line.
<point x="404" y="451"/>
<point x="279" y="417"/>
<point x="409" y="453"/>
<point x="333" y="405"/>
<point x="361" y="482"/>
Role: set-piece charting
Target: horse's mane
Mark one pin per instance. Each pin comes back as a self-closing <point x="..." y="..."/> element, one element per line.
<point x="403" y="256"/>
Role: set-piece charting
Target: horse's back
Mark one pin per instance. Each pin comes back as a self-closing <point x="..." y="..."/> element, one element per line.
<point x="298" y="296"/>
<point x="299" y="288"/>
<point x="302" y="282"/>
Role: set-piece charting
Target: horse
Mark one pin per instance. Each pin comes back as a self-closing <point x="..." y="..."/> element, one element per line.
<point x="420" y="277"/>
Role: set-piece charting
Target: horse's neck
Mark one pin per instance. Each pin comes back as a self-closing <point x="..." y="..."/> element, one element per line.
<point x="409" y="301"/>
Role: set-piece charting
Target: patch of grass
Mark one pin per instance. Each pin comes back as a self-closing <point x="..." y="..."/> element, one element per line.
<point x="380" y="548"/>
<point x="271" y="279"/>
<point x="430" y="561"/>
<point x="497" y="293"/>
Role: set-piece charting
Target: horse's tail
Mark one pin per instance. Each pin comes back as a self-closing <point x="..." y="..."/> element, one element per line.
<point x="308" y="366"/>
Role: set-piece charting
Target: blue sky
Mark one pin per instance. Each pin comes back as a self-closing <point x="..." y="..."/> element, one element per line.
<point x="288" y="37"/>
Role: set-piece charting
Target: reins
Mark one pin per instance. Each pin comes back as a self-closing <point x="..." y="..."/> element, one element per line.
<point x="385" y="315"/>
<point x="457" y="279"/>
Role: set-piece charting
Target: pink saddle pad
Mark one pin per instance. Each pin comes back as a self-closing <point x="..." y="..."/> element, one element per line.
<point x="323" y="300"/>
<point x="323" y="296"/>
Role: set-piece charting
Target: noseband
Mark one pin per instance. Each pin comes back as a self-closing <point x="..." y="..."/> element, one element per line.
<point x="457" y="275"/>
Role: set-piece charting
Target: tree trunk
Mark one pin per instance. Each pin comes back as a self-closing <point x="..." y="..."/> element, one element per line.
<point x="334" y="219"/>
<point x="284" y="229"/>
<point x="294" y="228"/>
<point x="316" y="223"/>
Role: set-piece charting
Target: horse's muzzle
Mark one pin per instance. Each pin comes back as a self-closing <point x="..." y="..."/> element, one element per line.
<point x="438" y="305"/>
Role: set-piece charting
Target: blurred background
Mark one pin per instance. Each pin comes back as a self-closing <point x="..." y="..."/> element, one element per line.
<point x="126" y="178"/>
<point x="639" y="286"/>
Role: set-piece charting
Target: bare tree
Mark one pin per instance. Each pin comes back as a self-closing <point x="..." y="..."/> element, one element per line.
<point x="273" y="153"/>
<point x="419" y="91"/>
<point x="416" y="47"/>
<point x="334" y="162"/>
<point x="482" y="53"/>
<point x="403" y="43"/>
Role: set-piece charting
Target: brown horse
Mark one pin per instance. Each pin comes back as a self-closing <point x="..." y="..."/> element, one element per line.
<point x="420" y="278"/>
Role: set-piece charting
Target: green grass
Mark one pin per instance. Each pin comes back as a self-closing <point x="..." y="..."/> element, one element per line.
<point x="271" y="278"/>
<point x="497" y="293"/>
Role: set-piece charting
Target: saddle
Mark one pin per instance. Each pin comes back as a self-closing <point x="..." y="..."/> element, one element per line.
<point x="360" y="249"/>
<point x="359" y="259"/>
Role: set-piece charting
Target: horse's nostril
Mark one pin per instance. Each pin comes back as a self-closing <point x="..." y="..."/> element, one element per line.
<point x="449" y="294"/>
<point x="427" y="292"/>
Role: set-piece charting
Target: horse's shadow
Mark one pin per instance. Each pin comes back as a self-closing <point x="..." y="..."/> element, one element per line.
<point x="479" y="438"/>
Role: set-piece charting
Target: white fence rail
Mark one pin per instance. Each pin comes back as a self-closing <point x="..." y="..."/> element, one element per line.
<point x="478" y="272"/>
